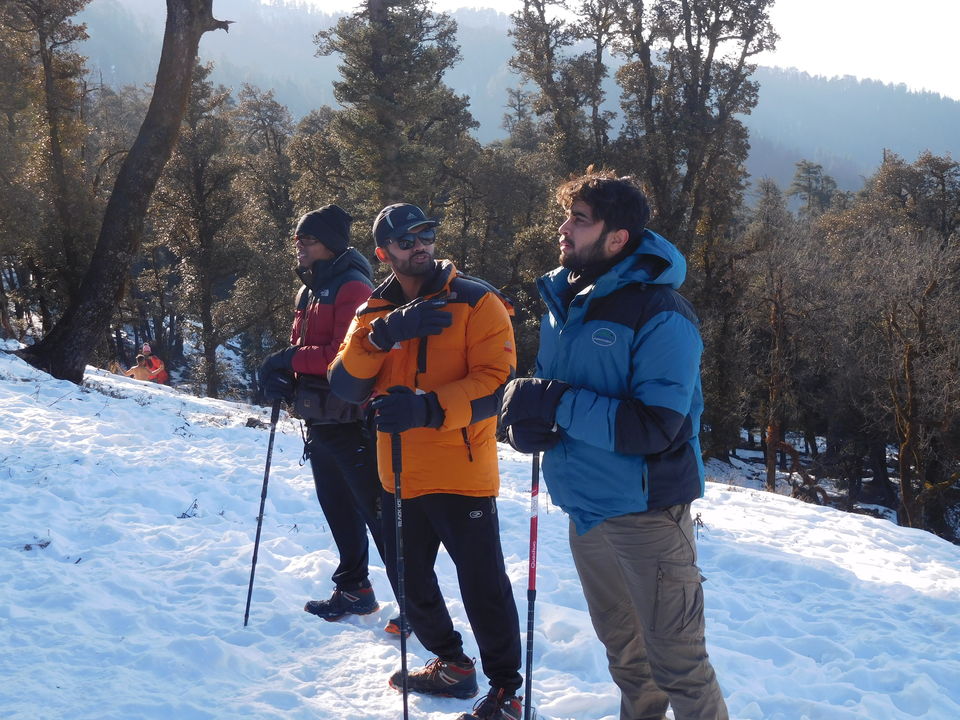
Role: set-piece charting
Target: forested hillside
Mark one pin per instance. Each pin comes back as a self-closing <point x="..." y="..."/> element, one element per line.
<point x="164" y="213"/>
<point x="838" y="122"/>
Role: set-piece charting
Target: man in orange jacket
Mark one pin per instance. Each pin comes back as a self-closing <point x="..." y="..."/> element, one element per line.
<point x="435" y="349"/>
<point x="158" y="371"/>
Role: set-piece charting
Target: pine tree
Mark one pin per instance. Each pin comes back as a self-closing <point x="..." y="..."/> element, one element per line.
<point x="402" y="135"/>
<point x="814" y="187"/>
<point x="53" y="79"/>
<point x="65" y="351"/>
<point x="196" y="209"/>
<point x="266" y="182"/>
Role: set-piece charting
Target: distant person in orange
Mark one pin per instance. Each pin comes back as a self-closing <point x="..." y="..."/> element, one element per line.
<point x="140" y="371"/>
<point x="158" y="372"/>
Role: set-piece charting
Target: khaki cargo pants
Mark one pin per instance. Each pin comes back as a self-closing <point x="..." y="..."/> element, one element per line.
<point x="643" y="590"/>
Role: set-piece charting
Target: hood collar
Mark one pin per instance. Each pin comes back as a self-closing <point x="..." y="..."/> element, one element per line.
<point x="320" y="273"/>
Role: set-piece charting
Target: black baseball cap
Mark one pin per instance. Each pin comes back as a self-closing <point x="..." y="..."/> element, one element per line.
<point x="395" y="220"/>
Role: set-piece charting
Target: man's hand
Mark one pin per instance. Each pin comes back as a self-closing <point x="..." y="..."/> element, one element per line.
<point x="401" y="409"/>
<point x="531" y="436"/>
<point x="532" y="399"/>
<point x="418" y="318"/>
<point x="276" y="375"/>
<point x="529" y="413"/>
<point x="279" y="385"/>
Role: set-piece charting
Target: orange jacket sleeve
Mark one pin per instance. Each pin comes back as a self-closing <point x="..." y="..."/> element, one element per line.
<point x="491" y="361"/>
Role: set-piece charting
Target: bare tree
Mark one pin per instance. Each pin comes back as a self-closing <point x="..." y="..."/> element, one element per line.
<point x="65" y="350"/>
<point x="685" y="82"/>
<point x="897" y="289"/>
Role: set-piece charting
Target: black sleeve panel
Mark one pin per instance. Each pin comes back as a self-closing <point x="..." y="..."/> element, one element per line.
<point x="347" y="387"/>
<point x="649" y="430"/>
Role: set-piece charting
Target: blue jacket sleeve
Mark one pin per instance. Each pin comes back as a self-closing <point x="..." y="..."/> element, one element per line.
<point x="664" y="373"/>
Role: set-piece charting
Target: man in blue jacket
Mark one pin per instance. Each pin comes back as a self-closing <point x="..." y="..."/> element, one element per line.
<point x="615" y="408"/>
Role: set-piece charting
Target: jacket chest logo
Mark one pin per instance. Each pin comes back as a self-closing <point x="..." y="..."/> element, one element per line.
<point x="604" y="337"/>
<point x="325" y="292"/>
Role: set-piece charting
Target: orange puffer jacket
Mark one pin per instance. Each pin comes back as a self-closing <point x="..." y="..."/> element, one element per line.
<point x="466" y="366"/>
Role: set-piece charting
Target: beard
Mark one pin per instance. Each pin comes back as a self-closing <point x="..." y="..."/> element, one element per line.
<point x="407" y="266"/>
<point x="585" y="256"/>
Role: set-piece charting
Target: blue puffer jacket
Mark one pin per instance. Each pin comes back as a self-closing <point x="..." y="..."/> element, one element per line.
<point x="630" y="348"/>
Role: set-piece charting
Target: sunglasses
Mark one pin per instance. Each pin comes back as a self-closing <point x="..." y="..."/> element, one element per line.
<point x="305" y="240"/>
<point x="405" y="242"/>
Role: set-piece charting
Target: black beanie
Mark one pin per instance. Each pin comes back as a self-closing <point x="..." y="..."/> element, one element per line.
<point x="330" y="225"/>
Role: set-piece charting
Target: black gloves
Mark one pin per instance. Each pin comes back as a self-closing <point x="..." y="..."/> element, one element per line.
<point x="532" y="436"/>
<point x="532" y="399"/>
<point x="529" y="413"/>
<point x="276" y="375"/>
<point x="402" y="409"/>
<point x="279" y="385"/>
<point x="418" y="318"/>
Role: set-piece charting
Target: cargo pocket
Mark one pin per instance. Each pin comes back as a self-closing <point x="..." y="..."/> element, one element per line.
<point x="678" y="608"/>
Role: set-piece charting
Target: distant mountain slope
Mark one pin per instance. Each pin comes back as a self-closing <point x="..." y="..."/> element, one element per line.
<point x="845" y="124"/>
<point x="841" y="123"/>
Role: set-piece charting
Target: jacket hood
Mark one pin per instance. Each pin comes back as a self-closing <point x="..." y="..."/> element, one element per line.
<point x="319" y="274"/>
<point x="658" y="259"/>
<point x="655" y="261"/>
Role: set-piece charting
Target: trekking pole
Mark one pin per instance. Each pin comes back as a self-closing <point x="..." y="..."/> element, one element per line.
<point x="274" y="416"/>
<point x="401" y="592"/>
<point x="532" y="581"/>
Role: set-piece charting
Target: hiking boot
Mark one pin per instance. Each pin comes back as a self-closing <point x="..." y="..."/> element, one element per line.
<point x="449" y="678"/>
<point x="497" y="705"/>
<point x="393" y="627"/>
<point x="361" y="601"/>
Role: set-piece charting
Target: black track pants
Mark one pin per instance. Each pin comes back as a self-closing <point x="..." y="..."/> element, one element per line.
<point x="469" y="530"/>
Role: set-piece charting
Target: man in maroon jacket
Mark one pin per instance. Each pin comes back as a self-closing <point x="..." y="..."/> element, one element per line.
<point x="336" y="281"/>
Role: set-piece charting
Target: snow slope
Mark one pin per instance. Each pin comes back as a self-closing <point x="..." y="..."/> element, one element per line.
<point x="127" y="519"/>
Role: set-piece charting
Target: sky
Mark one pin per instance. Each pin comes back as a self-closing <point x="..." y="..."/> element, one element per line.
<point x="127" y="521"/>
<point x="913" y="43"/>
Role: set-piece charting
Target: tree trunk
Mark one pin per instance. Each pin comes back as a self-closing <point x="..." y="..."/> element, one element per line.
<point x="39" y="291"/>
<point x="881" y="476"/>
<point x="210" y="341"/>
<point x="211" y="371"/>
<point x="775" y="389"/>
<point x="773" y="435"/>
<point x="65" y="350"/>
<point x="905" y="415"/>
<point x="6" y="331"/>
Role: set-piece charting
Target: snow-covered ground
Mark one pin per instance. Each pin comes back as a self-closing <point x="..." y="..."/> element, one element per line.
<point x="127" y="519"/>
